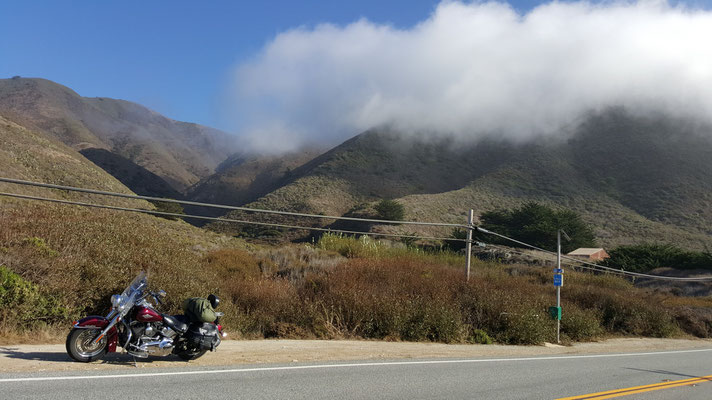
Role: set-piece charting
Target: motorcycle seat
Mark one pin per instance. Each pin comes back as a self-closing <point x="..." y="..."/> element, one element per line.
<point x="176" y="323"/>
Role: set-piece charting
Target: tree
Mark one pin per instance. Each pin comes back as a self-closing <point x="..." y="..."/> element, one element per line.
<point x="537" y="224"/>
<point x="390" y="210"/>
<point x="647" y="256"/>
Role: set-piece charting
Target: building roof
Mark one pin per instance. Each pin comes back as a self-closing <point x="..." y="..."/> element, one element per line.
<point x="584" y="251"/>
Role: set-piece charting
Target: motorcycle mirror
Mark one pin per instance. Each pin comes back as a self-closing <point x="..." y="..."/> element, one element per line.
<point x="161" y="293"/>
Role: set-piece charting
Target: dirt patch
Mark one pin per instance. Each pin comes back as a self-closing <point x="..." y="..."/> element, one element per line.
<point x="50" y="358"/>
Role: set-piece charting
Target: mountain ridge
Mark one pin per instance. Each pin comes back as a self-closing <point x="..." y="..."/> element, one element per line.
<point x="633" y="177"/>
<point x="181" y="153"/>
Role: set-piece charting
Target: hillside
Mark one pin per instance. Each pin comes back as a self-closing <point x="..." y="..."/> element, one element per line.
<point x="70" y="258"/>
<point x="242" y="179"/>
<point x="139" y="179"/>
<point x="634" y="178"/>
<point x="60" y="262"/>
<point x="180" y="153"/>
<point x="31" y="155"/>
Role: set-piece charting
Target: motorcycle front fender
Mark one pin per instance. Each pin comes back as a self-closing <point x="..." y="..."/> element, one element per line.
<point x="99" y="322"/>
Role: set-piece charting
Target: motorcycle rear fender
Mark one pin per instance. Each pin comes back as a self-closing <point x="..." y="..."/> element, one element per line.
<point x="99" y="322"/>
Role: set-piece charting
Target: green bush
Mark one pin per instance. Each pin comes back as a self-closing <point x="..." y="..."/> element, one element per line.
<point x="390" y="210"/>
<point x="23" y="305"/>
<point x="634" y="317"/>
<point x="478" y="336"/>
<point x="431" y="320"/>
<point x="525" y="326"/>
<point x="579" y="325"/>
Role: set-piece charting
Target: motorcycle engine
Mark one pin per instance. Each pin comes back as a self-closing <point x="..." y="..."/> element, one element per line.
<point x="151" y="339"/>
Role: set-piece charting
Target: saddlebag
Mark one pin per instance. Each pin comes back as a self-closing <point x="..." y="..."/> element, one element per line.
<point x="204" y="336"/>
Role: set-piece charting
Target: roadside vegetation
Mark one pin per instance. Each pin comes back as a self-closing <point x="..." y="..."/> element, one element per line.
<point x="336" y="287"/>
<point x="648" y="256"/>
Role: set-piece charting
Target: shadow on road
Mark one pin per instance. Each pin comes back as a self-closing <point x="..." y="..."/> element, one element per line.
<point x="62" y="357"/>
<point x="34" y="355"/>
<point x="662" y="372"/>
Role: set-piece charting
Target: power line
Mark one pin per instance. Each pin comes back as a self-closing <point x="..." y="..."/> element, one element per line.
<point x="92" y="191"/>
<point x="599" y="267"/>
<point x="234" y="208"/>
<point x="169" y="214"/>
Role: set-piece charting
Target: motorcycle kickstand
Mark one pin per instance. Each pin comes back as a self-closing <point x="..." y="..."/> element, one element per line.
<point x="134" y="361"/>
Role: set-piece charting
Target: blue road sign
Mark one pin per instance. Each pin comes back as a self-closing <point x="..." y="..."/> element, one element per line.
<point x="558" y="280"/>
<point x="558" y="271"/>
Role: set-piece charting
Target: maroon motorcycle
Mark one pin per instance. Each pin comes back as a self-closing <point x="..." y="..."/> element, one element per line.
<point x="135" y="325"/>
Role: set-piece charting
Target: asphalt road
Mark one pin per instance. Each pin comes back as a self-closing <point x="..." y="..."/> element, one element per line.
<point x="549" y="377"/>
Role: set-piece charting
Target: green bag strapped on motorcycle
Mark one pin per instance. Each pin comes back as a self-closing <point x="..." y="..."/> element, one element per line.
<point x="199" y="309"/>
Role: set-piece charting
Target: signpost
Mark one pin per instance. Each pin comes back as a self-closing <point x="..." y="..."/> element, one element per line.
<point x="558" y="280"/>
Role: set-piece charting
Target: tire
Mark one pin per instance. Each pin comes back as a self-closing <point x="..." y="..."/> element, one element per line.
<point x="188" y="355"/>
<point x="80" y="348"/>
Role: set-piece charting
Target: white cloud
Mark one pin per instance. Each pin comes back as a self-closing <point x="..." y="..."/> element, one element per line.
<point x="478" y="68"/>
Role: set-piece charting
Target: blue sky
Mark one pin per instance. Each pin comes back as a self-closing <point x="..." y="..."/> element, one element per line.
<point x="172" y="56"/>
<point x="175" y="57"/>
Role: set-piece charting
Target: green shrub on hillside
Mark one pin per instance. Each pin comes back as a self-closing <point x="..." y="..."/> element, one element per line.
<point x="168" y="207"/>
<point x="23" y="305"/>
<point x="390" y="210"/>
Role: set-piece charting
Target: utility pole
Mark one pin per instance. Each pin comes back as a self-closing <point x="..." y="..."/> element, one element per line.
<point x="558" y="283"/>
<point x="468" y="250"/>
<point x="558" y="287"/>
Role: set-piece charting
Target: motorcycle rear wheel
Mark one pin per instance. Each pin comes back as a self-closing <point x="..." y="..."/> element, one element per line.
<point x="80" y="345"/>
<point x="188" y="355"/>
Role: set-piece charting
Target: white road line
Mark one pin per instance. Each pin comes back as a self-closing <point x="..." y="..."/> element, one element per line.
<point x="353" y="365"/>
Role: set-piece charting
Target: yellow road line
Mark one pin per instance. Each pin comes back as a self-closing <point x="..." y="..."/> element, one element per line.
<point x="639" y="389"/>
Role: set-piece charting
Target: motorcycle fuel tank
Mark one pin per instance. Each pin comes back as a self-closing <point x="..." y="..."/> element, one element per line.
<point x="145" y="314"/>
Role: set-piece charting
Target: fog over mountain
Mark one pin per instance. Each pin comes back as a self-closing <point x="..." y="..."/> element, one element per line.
<point x="476" y="69"/>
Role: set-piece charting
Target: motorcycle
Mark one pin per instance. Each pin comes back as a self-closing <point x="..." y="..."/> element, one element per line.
<point x="134" y="324"/>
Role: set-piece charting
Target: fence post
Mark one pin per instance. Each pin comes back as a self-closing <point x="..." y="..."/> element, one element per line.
<point x="468" y="251"/>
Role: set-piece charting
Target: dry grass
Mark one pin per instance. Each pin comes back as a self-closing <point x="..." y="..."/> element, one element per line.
<point x="304" y="291"/>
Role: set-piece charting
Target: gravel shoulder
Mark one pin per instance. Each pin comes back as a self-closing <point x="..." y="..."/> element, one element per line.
<point x="51" y="358"/>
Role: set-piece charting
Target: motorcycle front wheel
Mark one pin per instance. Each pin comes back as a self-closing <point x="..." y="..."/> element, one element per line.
<point x="81" y="346"/>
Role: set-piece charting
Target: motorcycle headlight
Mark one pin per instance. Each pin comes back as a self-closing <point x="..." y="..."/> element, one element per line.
<point x="115" y="300"/>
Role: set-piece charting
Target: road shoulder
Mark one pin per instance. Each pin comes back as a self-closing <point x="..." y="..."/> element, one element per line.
<point x="51" y="358"/>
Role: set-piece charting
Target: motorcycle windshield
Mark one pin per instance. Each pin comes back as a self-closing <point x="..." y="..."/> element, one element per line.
<point x="132" y="293"/>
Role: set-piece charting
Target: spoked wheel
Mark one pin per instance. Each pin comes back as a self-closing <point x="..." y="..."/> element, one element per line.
<point x="81" y="346"/>
<point x="191" y="354"/>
